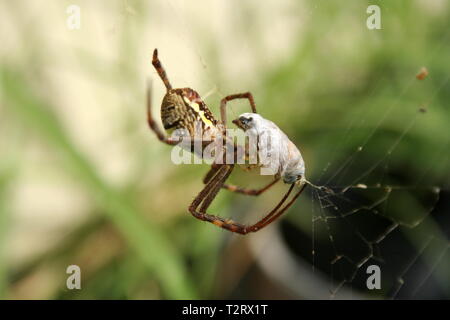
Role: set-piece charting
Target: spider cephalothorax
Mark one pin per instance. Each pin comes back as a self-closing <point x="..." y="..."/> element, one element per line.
<point x="184" y="109"/>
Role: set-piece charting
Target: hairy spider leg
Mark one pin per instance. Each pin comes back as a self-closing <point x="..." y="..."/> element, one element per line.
<point x="160" y="69"/>
<point x="209" y="192"/>
<point x="237" y="189"/>
<point x="223" y="103"/>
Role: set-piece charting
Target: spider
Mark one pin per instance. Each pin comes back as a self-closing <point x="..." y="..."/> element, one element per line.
<point x="181" y="108"/>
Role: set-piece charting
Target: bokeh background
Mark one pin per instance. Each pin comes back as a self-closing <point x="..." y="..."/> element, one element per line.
<point x="84" y="182"/>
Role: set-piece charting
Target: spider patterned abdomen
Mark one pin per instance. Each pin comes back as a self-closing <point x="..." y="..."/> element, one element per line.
<point x="184" y="109"/>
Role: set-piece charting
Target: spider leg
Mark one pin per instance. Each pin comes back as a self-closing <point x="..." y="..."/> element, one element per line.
<point x="272" y="216"/>
<point x="160" y="69"/>
<point x="215" y="189"/>
<point x="207" y="195"/>
<point x="237" y="189"/>
<point x="211" y="173"/>
<point x="209" y="192"/>
<point x="250" y="192"/>
<point x="223" y="103"/>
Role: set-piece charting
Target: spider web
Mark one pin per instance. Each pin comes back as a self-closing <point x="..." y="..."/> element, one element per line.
<point x="369" y="211"/>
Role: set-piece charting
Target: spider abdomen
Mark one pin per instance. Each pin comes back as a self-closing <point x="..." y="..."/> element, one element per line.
<point x="184" y="109"/>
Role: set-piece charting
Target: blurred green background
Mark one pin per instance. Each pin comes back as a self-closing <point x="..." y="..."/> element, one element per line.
<point x="84" y="182"/>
